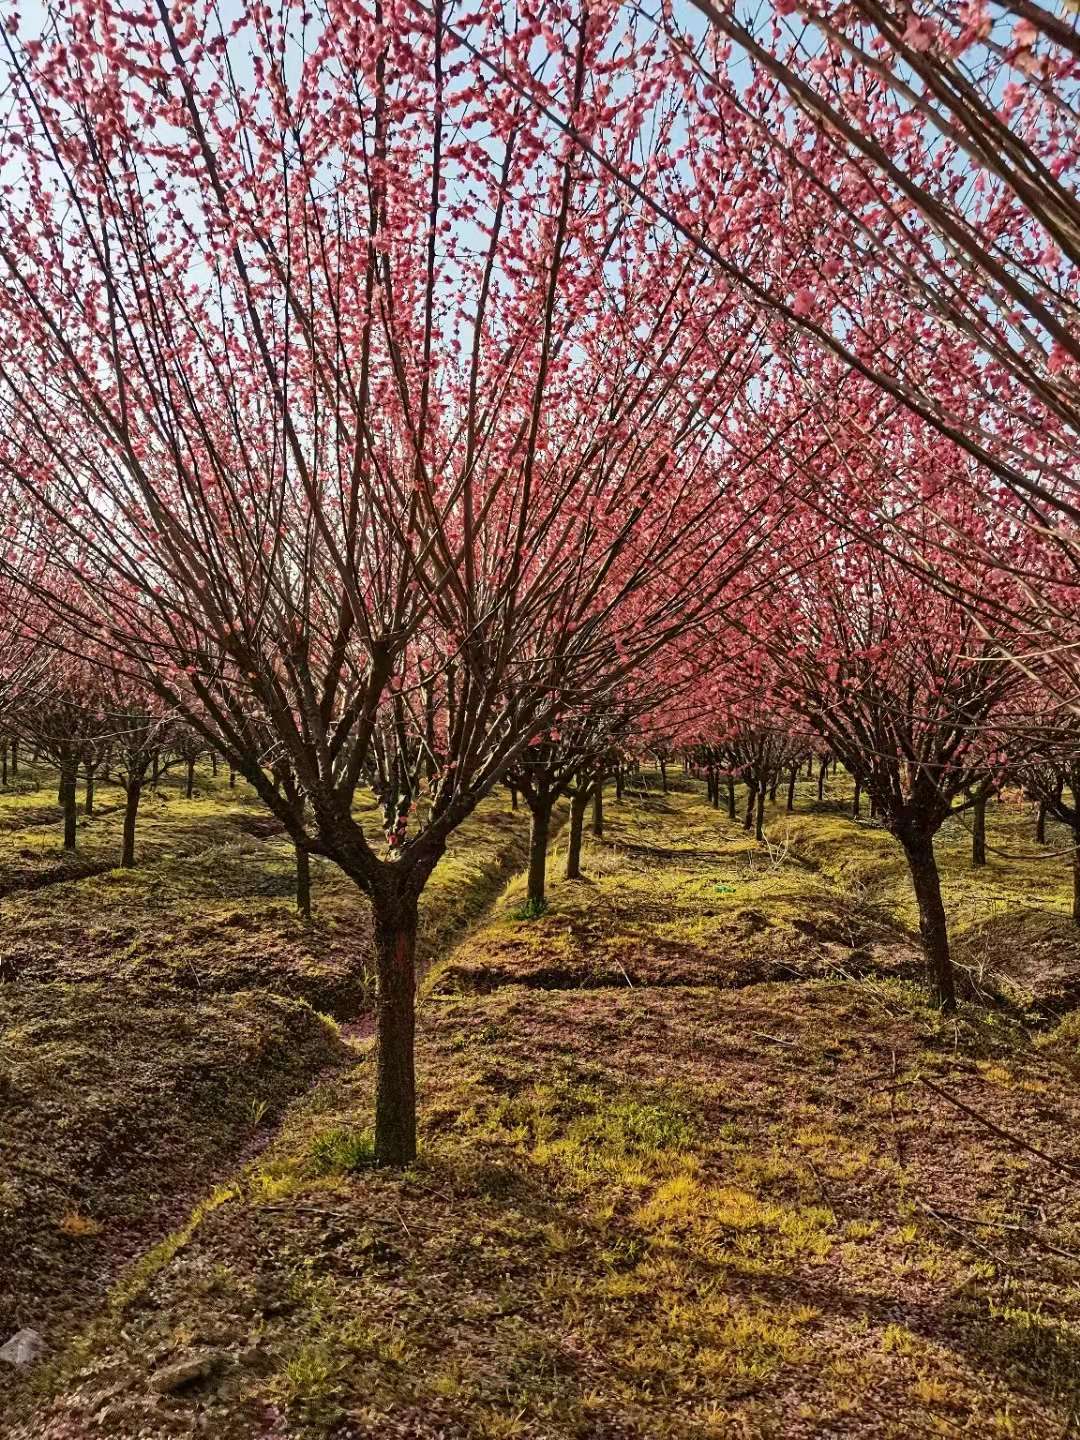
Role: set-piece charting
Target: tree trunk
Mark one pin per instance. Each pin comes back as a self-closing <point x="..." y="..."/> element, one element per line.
<point x="759" y="820"/>
<point x="190" y="788"/>
<point x="513" y="796"/>
<point x="213" y="762"/>
<point x="578" y="802"/>
<point x="14" y="758"/>
<point x="69" y="801"/>
<point x="774" y="785"/>
<point x="731" y="810"/>
<point x="303" y="882"/>
<point x="856" y="803"/>
<point x="155" y="774"/>
<point x="663" y="777"/>
<point x="598" y="803"/>
<point x="3" y="763"/>
<point x="89" y="804"/>
<point x="131" y="811"/>
<point x="232" y="778"/>
<point x="1076" y="868"/>
<point x="395" y="1072"/>
<point x="618" y="782"/>
<point x="791" y="788"/>
<point x="821" y="779"/>
<point x="1040" y="823"/>
<point x="932" y="924"/>
<point x="538" y="843"/>
<point x="751" y="800"/>
<point x="978" y="829"/>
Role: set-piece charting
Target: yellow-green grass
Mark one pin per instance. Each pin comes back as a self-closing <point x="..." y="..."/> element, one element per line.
<point x="155" y="1021"/>
<point x="646" y="1205"/>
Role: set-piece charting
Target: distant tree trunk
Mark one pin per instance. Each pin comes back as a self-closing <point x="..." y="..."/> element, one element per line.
<point x="14" y="758"/>
<point x="1076" y="867"/>
<point x="513" y="796"/>
<point x="303" y="882"/>
<point x="190" y="787"/>
<point x="856" y="805"/>
<point x="933" y="927"/>
<point x="89" y="802"/>
<point x="759" y="822"/>
<point x="578" y="802"/>
<point x="978" y="829"/>
<point x="791" y="788"/>
<point x="69" y="801"/>
<point x="539" y="833"/>
<point x="131" y="811"/>
<point x="712" y="786"/>
<point x="598" y="803"/>
<point x="618" y="782"/>
<point x="1040" y="823"/>
<point x="774" y="785"/>
<point x="751" y="801"/>
<point x="213" y="762"/>
<point x="663" y="777"/>
<point x="155" y="774"/>
<point x="731" y="810"/>
<point x="3" y="762"/>
<point x="395" y="919"/>
<point x="873" y="807"/>
<point x="822" y="768"/>
<point x="232" y="778"/>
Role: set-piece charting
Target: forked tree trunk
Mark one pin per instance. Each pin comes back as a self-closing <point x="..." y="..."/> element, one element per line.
<point x="978" y="830"/>
<point x="1040" y="823"/>
<point x="395" y="1074"/>
<point x="69" y="801"/>
<point x="303" y="882"/>
<point x="578" y="801"/>
<point x="131" y="812"/>
<point x="791" y="788"/>
<point x="731" y="809"/>
<point x="932" y="923"/>
<point x="539" y="833"/>
<point x="598" y="803"/>
<point x="759" y="814"/>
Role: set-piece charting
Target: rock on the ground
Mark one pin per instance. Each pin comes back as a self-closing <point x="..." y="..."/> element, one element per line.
<point x="24" y="1347"/>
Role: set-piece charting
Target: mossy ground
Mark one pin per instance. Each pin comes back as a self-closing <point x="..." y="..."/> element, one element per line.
<point x="684" y="1172"/>
<point x="155" y="1021"/>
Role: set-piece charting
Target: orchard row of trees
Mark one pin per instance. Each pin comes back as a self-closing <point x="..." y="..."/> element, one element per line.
<point x="421" y="399"/>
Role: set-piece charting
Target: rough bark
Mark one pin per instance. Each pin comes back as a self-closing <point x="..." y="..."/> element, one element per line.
<point x="759" y="814"/>
<point x="751" y="801"/>
<point x="578" y="801"/>
<point x="791" y="788"/>
<point x="933" y="927"/>
<point x="131" y="811"/>
<point x="598" y="803"/>
<point x="69" y="801"/>
<point x="539" y="833"/>
<point x="1040" y="823"/>
<point x="189" y="788"/>
<point x="395" y="919"/>
<point x="822" y="769"/>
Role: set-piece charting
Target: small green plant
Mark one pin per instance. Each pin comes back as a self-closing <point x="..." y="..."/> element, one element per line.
<point x="337" y="1152"/>
<point x="258" y="1110"/>
<point x="531" y="910"/>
